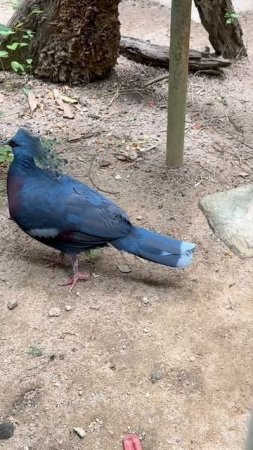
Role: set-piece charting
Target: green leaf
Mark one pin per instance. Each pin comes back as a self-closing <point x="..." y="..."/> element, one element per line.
<point x="3" y="54"/>
<point x="36" y="11"/>
<point x="28" y="34"/>
<point x="23" y="44"/>
<point x="5" y="31"/>
<point x="13" y="46"/>
<point x="19" y="25"/>
<point x="17" y="67"/>
<point x="6" y="155"/>
<point x="29" y="61"/>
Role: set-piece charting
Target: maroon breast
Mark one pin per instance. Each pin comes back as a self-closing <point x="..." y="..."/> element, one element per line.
<point x="14" y="185"/>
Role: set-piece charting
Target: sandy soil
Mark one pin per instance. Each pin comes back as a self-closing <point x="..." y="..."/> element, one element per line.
<point x="193" y="327"/>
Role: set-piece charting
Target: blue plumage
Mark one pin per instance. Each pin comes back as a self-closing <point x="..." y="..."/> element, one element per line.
<point x="69" y="216"/>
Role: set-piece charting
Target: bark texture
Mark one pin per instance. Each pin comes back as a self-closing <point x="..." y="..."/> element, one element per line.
<point x="226" y="39"/>
<point x="75" y="41"/>
<point x="158" y="55"/>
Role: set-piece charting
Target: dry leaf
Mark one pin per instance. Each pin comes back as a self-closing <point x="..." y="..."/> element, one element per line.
<point x="128" y="155"/>
<point x="32" y="101"/>
<point x="67" y="99"/>
<point x="56" y="94"/>
<point x="67" y="111"/>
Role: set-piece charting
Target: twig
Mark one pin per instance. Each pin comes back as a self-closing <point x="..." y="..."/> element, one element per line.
<point x="156" y="80"/>
<point x="244" y="143"/>
<point x="114" y="97"/>
<point x="148" y="149"/>
<point x="236" y="138"/>
<point x="11" y="114"/>
<point x="119" y="92"/>
<point x="93" y="182"/>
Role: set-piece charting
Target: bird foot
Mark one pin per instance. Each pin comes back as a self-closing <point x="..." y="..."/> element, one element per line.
<point x="132" y="442"/>
<point x="76" y="277"/>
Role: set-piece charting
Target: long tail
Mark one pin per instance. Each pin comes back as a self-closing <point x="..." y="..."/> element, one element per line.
<point x="156" y="247"/>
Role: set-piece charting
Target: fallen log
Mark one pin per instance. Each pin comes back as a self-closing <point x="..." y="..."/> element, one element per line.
<point x="144" y="52"/>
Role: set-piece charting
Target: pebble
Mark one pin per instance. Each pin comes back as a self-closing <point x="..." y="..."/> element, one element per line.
<point x="104" y="163"/>
<point x="192" y="359"/>
<point x="54" y="312"/>
<point x="145" y="301"/>
<point x="124" y="268"/>
<point x="12" y="304"/>
<point x="118" y="177"/>
<point x="155" y="376"/>
<point x="139" y="218"/>
<point x="6" y="430"/>
<point x="80" y="432"/>
<point x="68" y="308"/>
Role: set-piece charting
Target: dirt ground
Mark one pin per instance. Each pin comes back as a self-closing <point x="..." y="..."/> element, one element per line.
<point x="192" y="327"/>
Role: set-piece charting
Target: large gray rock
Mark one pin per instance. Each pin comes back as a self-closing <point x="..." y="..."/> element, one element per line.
<point x="230" y="215"/>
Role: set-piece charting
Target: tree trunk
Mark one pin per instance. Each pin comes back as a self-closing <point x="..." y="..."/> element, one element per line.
<point x="226" y="38"/>
<point x="75" y="41"/>
<point x="158" y="55"/>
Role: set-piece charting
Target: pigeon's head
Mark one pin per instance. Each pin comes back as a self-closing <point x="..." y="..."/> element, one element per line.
<point x="24" y="144"/>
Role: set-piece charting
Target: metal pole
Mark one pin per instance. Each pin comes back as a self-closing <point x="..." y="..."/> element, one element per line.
<point x="178" y="76"/>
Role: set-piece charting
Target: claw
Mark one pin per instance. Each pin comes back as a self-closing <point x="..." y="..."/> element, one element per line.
<point x="76" y="277"/>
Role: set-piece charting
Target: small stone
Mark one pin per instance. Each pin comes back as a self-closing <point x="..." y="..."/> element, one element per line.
<point x="145" y="301"/>
<point x="118" y="177"/>
<point x="12" y="304"/>
<point x="139" y="218"/>
<point x="104" y="163"/>
<point x="68" y="308"/>
<point x="74" y="138"/>
<point x="54" y="312"/>
<point x="6" y="430"/>
<point x="124" y="268"/>
<point x="80" y="432"/>
<point x="155" y="376"/>
<point x="192" y="359"/>
<point x="112" y="365"/>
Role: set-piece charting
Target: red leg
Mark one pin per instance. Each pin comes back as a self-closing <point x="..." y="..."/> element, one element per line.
<point x="76" y="274"/>
<point x="132" y="442"/>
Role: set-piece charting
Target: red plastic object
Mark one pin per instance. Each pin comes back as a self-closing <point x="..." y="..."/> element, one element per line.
<point x="132" y="442"/>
